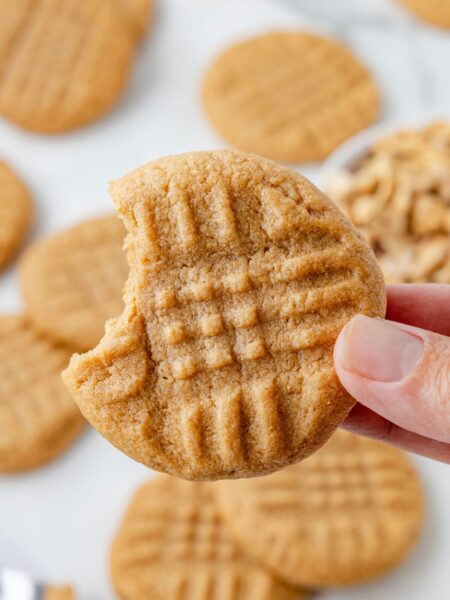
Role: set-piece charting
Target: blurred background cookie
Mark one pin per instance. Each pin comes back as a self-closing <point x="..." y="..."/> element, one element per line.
<point x="436" y="12"/>
<point x="72" y="282"/>
<point x="15" y="213"/>
<point x="140" y="13"/>
<point x="242" y="274"/>
<point x="398" y="194"/>
<point x="58" y="593"/>
<point x="38" y="419"/>
<point x="172" y="544"/>
<point x="347" y="514"/>
<point x="291" y="96"/>
<point x="64" y="64"/>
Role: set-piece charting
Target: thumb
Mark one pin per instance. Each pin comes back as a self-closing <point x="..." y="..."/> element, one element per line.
<point x="398" y="371"/>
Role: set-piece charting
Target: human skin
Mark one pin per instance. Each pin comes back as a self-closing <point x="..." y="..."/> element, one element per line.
<point x="398" y="370"/>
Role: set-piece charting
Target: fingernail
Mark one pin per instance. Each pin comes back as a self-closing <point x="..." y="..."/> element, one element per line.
<point x="378" y="350"/>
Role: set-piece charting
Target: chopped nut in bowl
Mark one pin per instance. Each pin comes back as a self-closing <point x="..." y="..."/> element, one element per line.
<point x="397" y="192"/>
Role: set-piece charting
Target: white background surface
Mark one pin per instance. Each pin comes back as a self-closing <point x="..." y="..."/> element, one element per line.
<point x="59" y="520"/>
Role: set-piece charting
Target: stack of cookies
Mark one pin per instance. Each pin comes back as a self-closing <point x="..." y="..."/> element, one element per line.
<point x="347" y="515"/>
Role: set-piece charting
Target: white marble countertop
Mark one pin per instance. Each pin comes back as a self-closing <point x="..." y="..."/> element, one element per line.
<point x="60" y="519"/>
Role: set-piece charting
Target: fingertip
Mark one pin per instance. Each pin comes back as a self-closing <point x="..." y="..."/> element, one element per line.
<point x="341" y="344"/>
<point x="399" y="372"/>
<point x="347" y="345"/>
<point x="378" y="350"/>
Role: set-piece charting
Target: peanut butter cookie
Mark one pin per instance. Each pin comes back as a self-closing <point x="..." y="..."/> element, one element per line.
<point x="436" y="12"/>
<point x="72" y="282"/>
<point x="64" y="63"/>
<point x="38" y="419"/>
<point x="291" y="96"/>
<point x="346" y="515"/>
<point x="172" y="544"/>
<point x="15" y="213"/>
<point x="140" y="13"/>
<point x="242" y="276"/>
<point x="58" y="593"/>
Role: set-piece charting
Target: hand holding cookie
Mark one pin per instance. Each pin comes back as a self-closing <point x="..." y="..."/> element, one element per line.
<point x="400" y="371"/>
